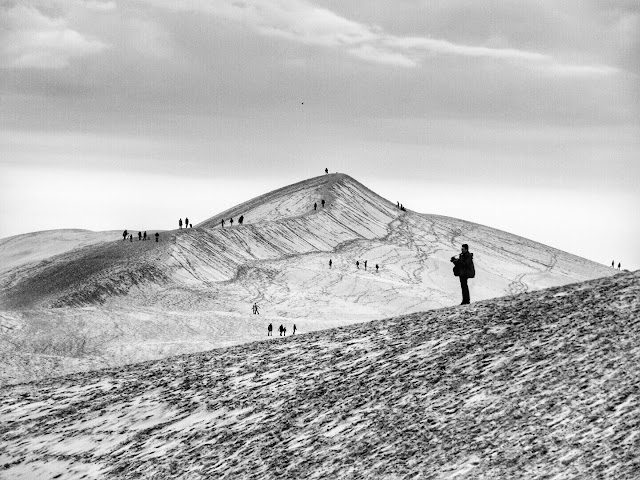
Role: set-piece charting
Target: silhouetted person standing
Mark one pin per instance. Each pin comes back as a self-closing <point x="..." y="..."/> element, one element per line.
<point x="294" y="329"/>
<point x="231" y="221"/>
<point x="157" y="236"/>
<point x="357" y="264"/>
<point x="280" y="328"/>
<point x="330" y="263"/>
<point x="180" y="223"/>
<point x="255" y="306"/>
<point x="376" y="267"/>
<point x="131" y="237"/>
<point x="322" y="203"/>
<point x="326" y="170"/>
<point x="269" y="330"/>
<point x="139" y="236"/>
<point x="124" y="235"/>
<point x="144" y="236"/>
<point x="186" y="223"/>
<point x="284" y="331"/>
<point x="315" y="206"/>
<point x="618" y="265"/>
<point x="365" y="265"/>
<point x="613" y="264"/>
<point x="241" y="219"/>
<point x="222" y="222"/>
<point x="464" y="269"/>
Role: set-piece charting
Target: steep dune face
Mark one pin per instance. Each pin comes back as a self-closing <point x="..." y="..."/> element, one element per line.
<point x="280" y="225"/>
<point x="83" y="276"/>
<point x="277" y="225"/>
<point x="539" y="385"/>
<point x="35" y="247"/>
<point x="194" y="289"/>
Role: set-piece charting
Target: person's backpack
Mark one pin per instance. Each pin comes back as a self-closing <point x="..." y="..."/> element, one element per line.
<point x="471" y="270"/>
<point x="456" y="270"/>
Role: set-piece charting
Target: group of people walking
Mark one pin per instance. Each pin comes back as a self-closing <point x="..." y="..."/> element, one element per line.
<point x="357" y="264"/>
<point x="141" y="236"/>
<point x="186" y="223"/>
<point x="282" y="329"/>
<point x="240" y="220"/>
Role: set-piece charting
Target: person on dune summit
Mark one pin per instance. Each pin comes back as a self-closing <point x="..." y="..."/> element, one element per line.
<point x="464" y="269"/>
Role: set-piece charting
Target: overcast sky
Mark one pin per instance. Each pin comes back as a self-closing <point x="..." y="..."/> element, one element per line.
<point x="523" y="116"/>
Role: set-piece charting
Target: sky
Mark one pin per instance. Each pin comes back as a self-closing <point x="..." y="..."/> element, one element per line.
<point x="524" y="116"/>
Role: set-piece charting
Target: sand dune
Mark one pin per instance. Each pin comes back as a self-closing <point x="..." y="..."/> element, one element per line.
<point x="537" y="385"/>
<point x="97" y="303"/>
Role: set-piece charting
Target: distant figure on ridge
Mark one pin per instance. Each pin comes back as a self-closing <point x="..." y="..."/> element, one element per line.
<point x="322" y="203"/>
<point x="124" y="235"/>
<point x="139" y="236"/>
<point x="398" y="206"/>
<point x="357" y="264"/>
<point x="326" y="170"/>
<point x="269" y="330"/>
<point x="330" y="263"/>
<point x="365" y="265"/>
<point x="294" y="329"/>
<point x="180" y="223"/>
<point x="131" y="237"/>
<point x="144" y="236"/>
<point x="618" y="265"/>
<point x="280" y="328"/>
<point x="186" y="222"/>
<point x="284" y="331"/>
<point x="222" y="222"/>
<point x="613" y="264"/>
<point x="464" y="269"/>
<point x="157" y="236"/>
<point x="315" y="206"/>
<point x="241" y="219"/>
<point x="231" y="221"/>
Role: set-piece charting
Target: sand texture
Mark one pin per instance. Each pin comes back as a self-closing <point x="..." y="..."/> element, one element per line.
<point x="538" y="385"/>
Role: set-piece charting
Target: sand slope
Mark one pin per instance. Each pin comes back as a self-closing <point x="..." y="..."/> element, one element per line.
<point x="538" y="385"/>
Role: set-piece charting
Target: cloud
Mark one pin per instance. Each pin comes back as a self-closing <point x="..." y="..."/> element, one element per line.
<point x="100" y="5"/>
<point x="303" y="22"/>
<point x="31" y="39"/>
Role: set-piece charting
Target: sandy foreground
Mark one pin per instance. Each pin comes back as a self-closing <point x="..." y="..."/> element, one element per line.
<point x="538" y="385"/>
